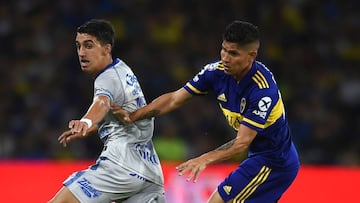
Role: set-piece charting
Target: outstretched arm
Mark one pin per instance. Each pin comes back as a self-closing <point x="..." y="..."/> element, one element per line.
<point x="70" y="135"/>
<point x="80" y="128"/>
<point x="159" y="106"/>
<point x="238" y="145"/>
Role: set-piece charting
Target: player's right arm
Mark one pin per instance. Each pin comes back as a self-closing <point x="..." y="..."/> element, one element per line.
<point x="68" y="135"/>
<point x="79" y="128"/>
<point x="159" y="106"/>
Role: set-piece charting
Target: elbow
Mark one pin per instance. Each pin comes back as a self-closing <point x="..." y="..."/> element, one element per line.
<point x="103" y="103"/>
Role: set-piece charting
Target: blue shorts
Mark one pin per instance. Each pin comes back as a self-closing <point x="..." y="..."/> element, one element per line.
<point x="254" y="182"/>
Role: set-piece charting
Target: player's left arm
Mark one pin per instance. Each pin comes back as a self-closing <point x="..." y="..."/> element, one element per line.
<point x="80" y="128"/>
<point x="240" y="144"/>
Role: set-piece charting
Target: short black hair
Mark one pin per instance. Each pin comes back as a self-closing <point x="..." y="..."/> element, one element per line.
<point x="99" y="28"/>
<point x="241" y="32"/>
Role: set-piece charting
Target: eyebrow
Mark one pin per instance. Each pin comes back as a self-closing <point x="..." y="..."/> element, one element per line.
<point x="229" y="50"/>
<point x="86" y="41"/>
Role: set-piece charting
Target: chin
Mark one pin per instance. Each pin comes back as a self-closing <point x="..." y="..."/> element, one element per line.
<point x="227" y="72"/>
<point x="85" y="69"/>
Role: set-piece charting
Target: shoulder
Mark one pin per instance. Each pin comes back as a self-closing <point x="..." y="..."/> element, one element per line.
<point x="214" y="68"/>
<point x="263" y="81"/>
<point x="263" y="77"/>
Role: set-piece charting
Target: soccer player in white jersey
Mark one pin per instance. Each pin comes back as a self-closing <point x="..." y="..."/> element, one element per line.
<point x="128" y="169"/>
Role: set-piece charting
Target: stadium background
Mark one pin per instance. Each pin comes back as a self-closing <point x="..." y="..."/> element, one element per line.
<point x="312" y="47"/>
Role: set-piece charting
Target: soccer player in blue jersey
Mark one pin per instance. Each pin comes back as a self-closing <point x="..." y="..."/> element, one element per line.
<point x="251" y="102"/>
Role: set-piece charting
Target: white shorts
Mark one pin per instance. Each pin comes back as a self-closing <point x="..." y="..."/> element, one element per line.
<point x="107" y="181"/>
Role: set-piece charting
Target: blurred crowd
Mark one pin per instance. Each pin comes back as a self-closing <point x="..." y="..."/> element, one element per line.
<point x="312" y="47"/>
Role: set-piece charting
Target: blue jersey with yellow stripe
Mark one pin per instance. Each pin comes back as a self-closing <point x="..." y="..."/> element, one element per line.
<point x="254" y="101"/>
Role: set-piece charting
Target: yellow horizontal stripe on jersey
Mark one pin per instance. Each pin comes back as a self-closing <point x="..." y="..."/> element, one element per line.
<point x="253" y="184"/>
<point x="194" y="89"/>
<point x="254" y="123"/>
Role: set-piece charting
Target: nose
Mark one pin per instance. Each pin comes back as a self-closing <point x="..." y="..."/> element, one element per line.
<point x="225" y="57"/>
<point x="81" y="51"/>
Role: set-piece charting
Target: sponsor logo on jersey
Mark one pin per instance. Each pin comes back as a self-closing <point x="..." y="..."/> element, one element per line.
<point x="137" y="176"/>
<point x="264" y="105"/>
<point x="234" y="119"/>
<point x="222" y="97"/>
<point x="88" y="189"/>
<point x="146" y="152"/>
<point x="140" y="101"/>
<point x="227" y="189"/>
<point x="104" y="132"/>
<point x="132" y="81"/>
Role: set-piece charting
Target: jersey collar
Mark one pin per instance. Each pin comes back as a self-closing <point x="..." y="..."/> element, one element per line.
<point x="108" y="66"/>
<point x="248" y="75"/>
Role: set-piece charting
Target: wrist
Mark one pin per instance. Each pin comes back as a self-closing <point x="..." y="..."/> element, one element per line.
<point x="87" y="121"/>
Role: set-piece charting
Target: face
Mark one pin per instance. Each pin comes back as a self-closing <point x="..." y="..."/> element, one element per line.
<point x="93" y="56"/>
<point x="236" y="60"/>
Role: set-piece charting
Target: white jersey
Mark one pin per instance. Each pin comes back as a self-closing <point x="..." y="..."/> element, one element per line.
<point x="127" y="145"/>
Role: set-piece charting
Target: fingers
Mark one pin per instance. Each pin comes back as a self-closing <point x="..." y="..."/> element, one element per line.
<point x="76" y="129"/>
<point x="77" y="126"/>
<point x="62" y="138"/>
<point x="121" y="114"/>
<point x="182" y="168"/>
<point x="193" y="169"/>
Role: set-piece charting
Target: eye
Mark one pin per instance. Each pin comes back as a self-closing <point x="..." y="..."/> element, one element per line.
<point x="88" y="46"/>
<point x="233" y="53"/>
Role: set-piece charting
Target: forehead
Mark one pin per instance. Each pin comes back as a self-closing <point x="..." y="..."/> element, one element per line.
<point x="232" y="46"/>
<point x="84" y="37"/>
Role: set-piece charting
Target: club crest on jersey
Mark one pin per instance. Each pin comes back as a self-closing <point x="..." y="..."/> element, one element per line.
<point x="264" y="105"/>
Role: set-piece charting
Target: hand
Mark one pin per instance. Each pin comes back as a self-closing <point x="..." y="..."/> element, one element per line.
<point x="121" y="114"/>
<point x="194" y="166"/>
<point x="77" y="129"/>
<point x="68" y="136"/>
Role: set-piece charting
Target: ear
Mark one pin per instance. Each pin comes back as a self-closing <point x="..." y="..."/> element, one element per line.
<point x="107" y="48"/>
<point x="253" y="54"/>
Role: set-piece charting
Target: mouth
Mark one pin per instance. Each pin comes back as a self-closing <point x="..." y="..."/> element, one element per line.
<point x="84" y="63"/>
<point x="226" y="68"/>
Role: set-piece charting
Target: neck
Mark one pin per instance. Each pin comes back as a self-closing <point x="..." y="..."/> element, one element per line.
<point x="241" y="74"/>
<point x="106" y="63"/>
